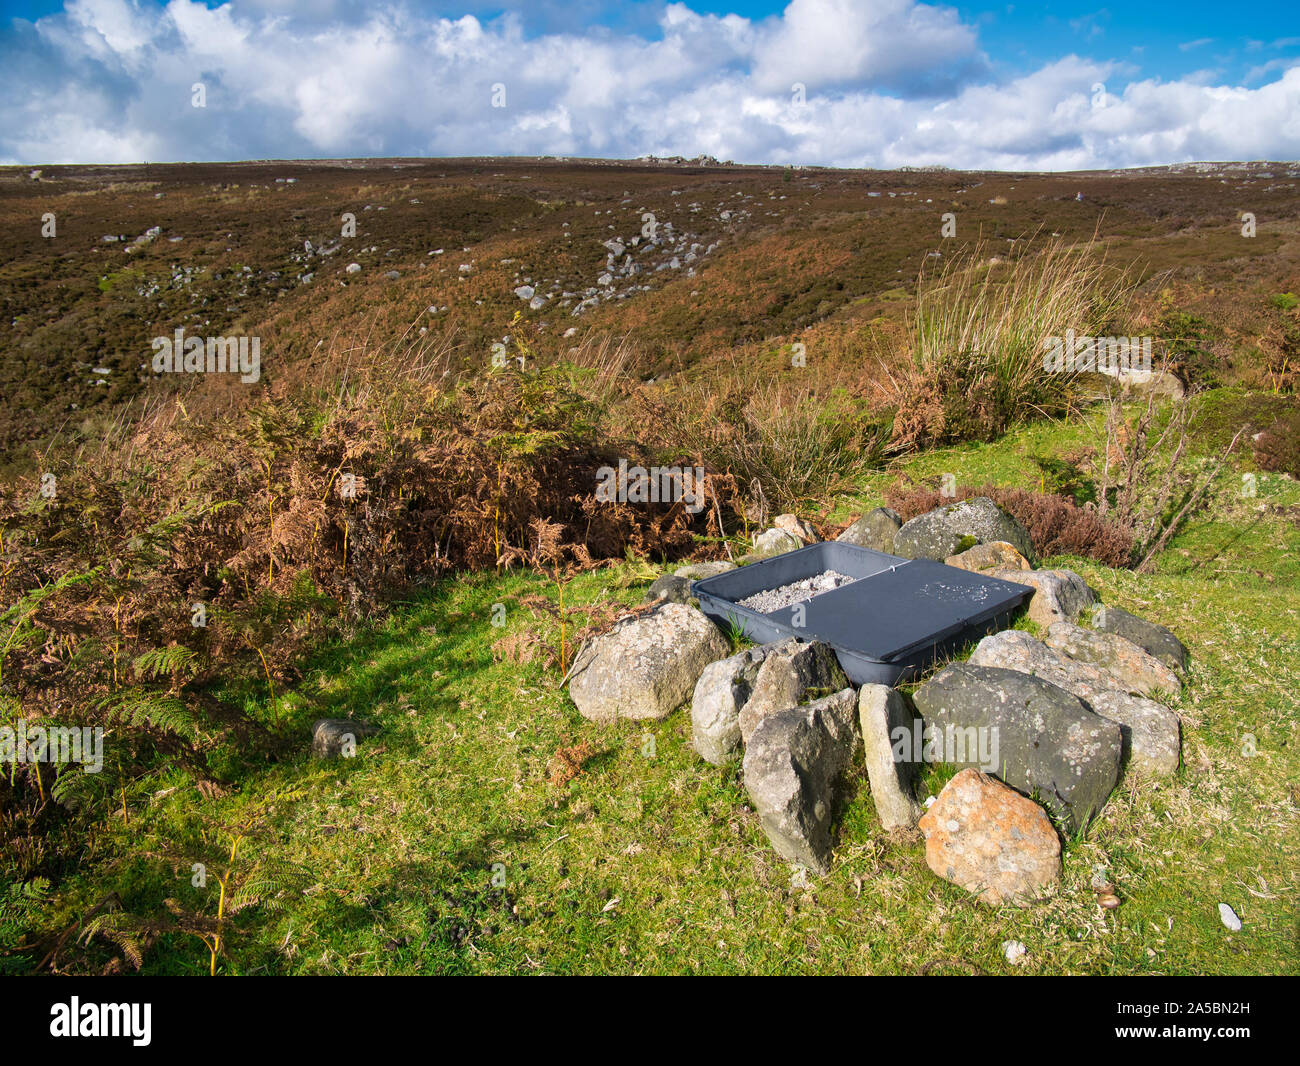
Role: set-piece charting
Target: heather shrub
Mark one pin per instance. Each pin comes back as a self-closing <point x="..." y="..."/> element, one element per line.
<point x="1278" y="447"/>
<point x="1056" y="525"/>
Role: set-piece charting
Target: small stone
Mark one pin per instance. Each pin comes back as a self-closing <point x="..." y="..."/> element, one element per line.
<point x="332" y="737"/>
<point x="996" y="555"/>
<point x="1013" y="951"/>
<point x="796" y="527"/>
<point x="1229" y="918"/>
<point x="670" y="587"/>
<point x="774" y="542"/>
<point x="699" y="571"/>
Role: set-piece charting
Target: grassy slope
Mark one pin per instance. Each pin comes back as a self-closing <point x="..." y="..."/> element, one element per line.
<point x="650" y="861"/>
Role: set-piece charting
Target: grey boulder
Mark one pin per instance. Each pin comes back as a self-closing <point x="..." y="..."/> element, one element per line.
<point x="794" y="771"/>
<point x="891" y="768"/>
<point x="1059" y="595"/>
<point x="645" y="667"/>
<point x="722" y="690"/>
<point x="875" y="529"/>
<point x="670" y="588"/>
<point x="950" y="529"/>
<point x="1131" y="667"/>
<point x="1044" y="742"/>
<point x="793" y="672"/>
<point x="332" y="737"/>
<point x="1150" y="730"/>
<point x="1154" y="639"/>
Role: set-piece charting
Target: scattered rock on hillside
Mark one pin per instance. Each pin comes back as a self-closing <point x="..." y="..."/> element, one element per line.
<point x="1150" y="731"/>
<point x="1154" y="639"/>
<point x="1034" y="735"/>
<point x="332" y="737"/>
<point x="954" y="527"/>
<point x="794" y="768"/>
<point x="1059" y="595"/>
<point x="875" y="530"/>
<point x="990" y="840"/>
<point x="1133" y="669"/>
<point x="645" y="667"/>
<point x="996" y="555"/>
<point x="793" y="672"/>
<point x="722" y="690"/>
<point x="881" y="710"/>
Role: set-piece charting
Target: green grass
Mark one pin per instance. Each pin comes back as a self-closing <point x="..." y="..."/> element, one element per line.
<point x="444" y="847"/>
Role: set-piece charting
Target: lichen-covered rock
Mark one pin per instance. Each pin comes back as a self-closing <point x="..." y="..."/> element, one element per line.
<point x="1043" y="741"/>
<point x="773" y="542"/>
<point x="881" y="711"/>
<point x="1132" y="668"/>
<point x="669" y="588"/>
<point x="996" y="555"/>
<point x="954" y="527"/>
<point x="1059" y="595"/>
<point x="990" y="840"/>
<point x="645" y="667"/>
<point x="1153" y="638"/>
<point x="1151" y="732"/>
<point x="875" y="530"/>
<point x="792" y="672"/>
<point x="794" y="768"/>
<point x="722" y="690"/>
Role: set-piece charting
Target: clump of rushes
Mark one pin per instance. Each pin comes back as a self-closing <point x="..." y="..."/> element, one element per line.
<point x="977" y="331"/>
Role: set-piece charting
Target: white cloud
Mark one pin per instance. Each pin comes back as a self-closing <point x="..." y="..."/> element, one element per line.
<point x="889" y="82"/>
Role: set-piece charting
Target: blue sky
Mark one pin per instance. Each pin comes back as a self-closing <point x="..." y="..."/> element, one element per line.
<point x="885" y="82"/>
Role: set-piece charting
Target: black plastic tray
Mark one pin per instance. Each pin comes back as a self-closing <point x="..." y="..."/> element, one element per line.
<point x="899" y="617"/>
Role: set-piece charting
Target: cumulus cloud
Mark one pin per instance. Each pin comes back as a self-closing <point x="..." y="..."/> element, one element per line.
<point x="880" y="83"/>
